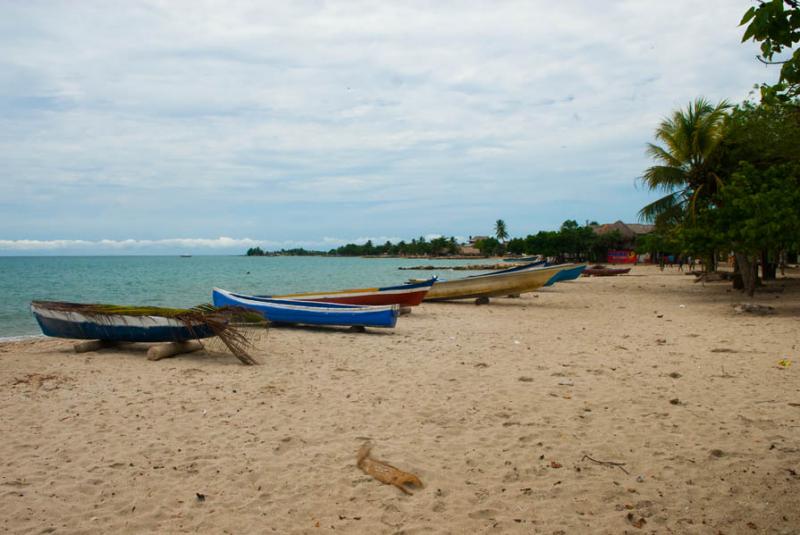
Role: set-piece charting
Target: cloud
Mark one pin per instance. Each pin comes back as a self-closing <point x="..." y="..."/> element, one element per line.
<point x="130" y="244"/>
<point x="298" y="120"/>
<point x="221" y="244"/>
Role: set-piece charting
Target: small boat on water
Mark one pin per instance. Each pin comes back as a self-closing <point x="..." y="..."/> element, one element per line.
<point x="517" y="280"/>
<point x="525" y="259"/>
<point x="570" y="272"/>
<point x="603" y="271"/>
<point x="404" y="295"/>
<point x="310" y="312"/>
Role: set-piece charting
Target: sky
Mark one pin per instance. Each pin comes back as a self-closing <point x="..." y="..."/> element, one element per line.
<point x="211" y="127"/>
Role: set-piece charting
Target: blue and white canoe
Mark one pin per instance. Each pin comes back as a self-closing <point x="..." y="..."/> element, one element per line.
<point x="69" y="320"/>
<point x="310" y="312"/>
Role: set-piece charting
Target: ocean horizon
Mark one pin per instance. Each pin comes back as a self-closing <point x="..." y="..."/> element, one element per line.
<point x="179" y="281"/>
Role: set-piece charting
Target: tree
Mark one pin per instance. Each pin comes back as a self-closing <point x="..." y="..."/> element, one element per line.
<point x="758" y="210"/>
<point x="488" y="246"/>
<point x="776" y="25"/>
<point x="686" y="161"/>
<point x="500" y="230"/>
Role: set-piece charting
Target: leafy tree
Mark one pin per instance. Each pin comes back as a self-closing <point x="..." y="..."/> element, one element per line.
<point x="500" y="230"/>
<point x="759" y="209"/>
<point x="516" y="246"/>
<point x="776" y="25"/>
<point x="489" y="247"/>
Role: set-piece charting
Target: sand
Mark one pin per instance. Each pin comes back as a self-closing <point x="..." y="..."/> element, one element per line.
<point x="499" y="410"/>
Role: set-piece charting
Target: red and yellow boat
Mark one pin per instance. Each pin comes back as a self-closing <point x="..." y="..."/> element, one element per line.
<point x="408" y="295"/>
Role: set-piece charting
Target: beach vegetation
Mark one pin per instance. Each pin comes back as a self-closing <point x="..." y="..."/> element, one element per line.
<point x="687" y="157"/>
<point x="775" y="24"/>
<point x="739" y="194"/>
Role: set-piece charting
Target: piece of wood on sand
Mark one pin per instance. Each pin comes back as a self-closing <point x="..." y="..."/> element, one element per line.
<point x="482" y="301"/>
<point x="170" y="349"/>
<point x="93" y="345"/>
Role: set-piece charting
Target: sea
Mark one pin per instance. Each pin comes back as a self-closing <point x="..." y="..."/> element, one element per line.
<point x="175" y="281"/>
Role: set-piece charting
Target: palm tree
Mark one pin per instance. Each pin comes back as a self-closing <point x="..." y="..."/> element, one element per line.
<point x="686" y="161"/>
<point x="500" y="230"/>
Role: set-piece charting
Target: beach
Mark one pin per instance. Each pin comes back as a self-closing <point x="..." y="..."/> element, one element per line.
<point x="640" y="403"/>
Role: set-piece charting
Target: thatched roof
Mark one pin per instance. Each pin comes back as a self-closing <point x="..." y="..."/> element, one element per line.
<point x="627" y="230"/>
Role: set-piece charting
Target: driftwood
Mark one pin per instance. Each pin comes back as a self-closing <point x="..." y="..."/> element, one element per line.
<point x="384" y="472"/>
<point x="606" y="463"/>
<point x="170" y="349"/>
<point x="93" y="345"/>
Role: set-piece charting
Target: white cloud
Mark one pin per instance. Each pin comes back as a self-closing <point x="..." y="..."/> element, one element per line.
<point x="296" y="120"/>
<point x="131" y="244"/>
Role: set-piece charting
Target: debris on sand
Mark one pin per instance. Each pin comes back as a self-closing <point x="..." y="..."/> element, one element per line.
<point x="752" y="308"/>
<point x="384" y="472"/>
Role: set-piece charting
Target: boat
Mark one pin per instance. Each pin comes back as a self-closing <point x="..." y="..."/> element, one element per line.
<point x="505" y="282"/>
<point x="521" y="267"/>
<point x="603" y="271"/>
<point x="115" y="323"/>
<point x="405" y="295"/>
<point x="524" y="259"/>
<point x="310" y="312"/>
<point x="570" y="272"/>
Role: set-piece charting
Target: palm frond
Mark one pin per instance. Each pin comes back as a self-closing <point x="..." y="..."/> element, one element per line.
<point x="664" y="178"/>
<point x="667" y="207"/>
<point x="659" y="153"/>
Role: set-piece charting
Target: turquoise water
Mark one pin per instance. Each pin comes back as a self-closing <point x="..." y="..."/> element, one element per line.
<point x="183" y="282"/>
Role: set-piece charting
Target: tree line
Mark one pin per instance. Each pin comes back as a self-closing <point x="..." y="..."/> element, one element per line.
<point x="570" y="242"/>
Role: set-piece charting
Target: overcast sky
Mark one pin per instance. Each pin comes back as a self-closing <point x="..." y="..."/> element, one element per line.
<point x="162" y="126"/>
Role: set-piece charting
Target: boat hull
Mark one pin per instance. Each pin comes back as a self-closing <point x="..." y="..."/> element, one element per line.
<point x="605" y="272"/>
<point x="116" y="328"/>
<point x="571" y="272"/>
<point x="403" y="295"/>
<point x="310" y="312"/>
<point x="492" y="284"/>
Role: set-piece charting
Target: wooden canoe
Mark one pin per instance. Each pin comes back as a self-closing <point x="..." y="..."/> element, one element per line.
<point x="492" y="284"/>
<point x="408" y="295"/>
<point x="602" y="271"/>
<point x="79" y="321"/>
<point x="310" y="312"/>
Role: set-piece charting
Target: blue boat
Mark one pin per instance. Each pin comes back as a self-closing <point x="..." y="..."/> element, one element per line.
<point x="310" y="312"/>
<point x="85" y="322"/>
<point x="567" y="274"/>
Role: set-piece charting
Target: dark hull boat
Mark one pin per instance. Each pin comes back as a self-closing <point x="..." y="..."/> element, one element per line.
<point x="602" y="271"/>
<point x="89" y="322"/>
